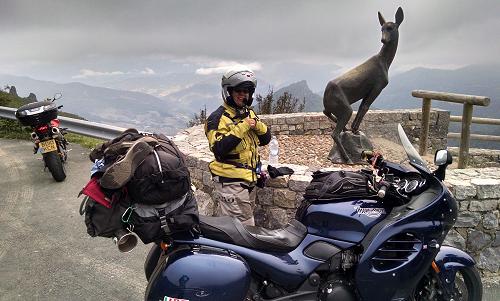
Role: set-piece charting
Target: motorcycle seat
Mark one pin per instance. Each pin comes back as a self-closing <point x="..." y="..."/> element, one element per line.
<point x="231" y="230"/>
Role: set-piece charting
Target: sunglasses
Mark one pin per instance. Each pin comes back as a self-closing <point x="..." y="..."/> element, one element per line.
<point x="239" y="90"/>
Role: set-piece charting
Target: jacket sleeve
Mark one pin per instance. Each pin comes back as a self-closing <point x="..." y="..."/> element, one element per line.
<point x="262" y="131"/>
<point x="222" y="140"/>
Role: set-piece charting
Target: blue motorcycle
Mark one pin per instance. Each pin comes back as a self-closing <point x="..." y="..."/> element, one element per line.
<point x="385" y="247"/>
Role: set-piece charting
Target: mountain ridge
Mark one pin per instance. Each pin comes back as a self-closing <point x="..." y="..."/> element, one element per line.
<point x="100" y="104"/>
<point x="170" y="113"/>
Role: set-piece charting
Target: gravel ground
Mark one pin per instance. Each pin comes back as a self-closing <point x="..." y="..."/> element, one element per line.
<point x="313" y="150"/>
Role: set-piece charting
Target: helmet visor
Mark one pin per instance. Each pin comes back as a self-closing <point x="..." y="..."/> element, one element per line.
<point x="245" y="87"/>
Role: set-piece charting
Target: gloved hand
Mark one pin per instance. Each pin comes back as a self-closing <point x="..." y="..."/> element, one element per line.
<point x="280" y="171"/>
<point x="251" y="122"/>
<point x="261" y="179"/>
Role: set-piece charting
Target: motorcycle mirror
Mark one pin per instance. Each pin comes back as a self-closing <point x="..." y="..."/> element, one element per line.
<point x="57" y="96"/>
<point x="442" y="157"/>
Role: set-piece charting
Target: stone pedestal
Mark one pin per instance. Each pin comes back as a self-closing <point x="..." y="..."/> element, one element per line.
<point x="353" y="144"/>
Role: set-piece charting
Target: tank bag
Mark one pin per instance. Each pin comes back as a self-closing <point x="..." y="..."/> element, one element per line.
<point x="334" y="185"/>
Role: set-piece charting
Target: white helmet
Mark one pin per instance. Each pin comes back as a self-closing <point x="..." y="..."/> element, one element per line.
<point x="243" y="78"/>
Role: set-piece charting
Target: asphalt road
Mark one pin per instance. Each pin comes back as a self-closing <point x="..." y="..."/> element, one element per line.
<point x="45" y="251"/>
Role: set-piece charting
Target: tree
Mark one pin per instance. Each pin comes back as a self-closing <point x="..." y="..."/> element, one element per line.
<point x="265" y="104"/>
<point x="198" y="119"/>
<point x="286" y="103"/>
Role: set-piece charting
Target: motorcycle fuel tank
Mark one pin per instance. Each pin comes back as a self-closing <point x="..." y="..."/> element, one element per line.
<point x="204" y="273"/>
<point x="348" y="220"/>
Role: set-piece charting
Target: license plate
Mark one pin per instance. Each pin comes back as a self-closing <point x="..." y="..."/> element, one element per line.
<point x="48" y="146"/>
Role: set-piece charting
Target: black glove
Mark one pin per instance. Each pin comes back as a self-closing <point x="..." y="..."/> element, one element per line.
<point x="261" y="180"/>
<point x="280" y="171"/>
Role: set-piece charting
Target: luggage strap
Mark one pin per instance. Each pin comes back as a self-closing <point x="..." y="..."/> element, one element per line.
<point x="163" y="221"/>
<point x="162" y="212"/>
<point x="159" y="164"/>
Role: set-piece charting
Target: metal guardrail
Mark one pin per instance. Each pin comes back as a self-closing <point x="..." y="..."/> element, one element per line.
<point x="77" y="126"/>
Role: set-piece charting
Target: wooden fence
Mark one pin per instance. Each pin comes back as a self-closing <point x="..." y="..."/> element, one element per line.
<point x="468" y="101"/>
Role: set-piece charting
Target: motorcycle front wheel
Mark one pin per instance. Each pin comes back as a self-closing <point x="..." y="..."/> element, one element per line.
<point x="54" y="163"/>
<point x="468" y="286"/>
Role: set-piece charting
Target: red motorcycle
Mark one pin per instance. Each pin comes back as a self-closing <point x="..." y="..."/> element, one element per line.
<point x="48" y="137"/>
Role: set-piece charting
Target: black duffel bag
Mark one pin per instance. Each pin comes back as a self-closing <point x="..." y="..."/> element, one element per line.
<point x="162" y="177"/>
<point x="153" y="223"/>
<point x="102" y="221"/>
<point x="336" y="185"/>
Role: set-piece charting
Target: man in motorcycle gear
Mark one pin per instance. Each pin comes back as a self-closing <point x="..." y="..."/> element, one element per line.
<point x="234" y="133"/>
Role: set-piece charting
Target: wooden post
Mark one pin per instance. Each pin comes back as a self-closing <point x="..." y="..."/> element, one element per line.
<point x="424" y="133"/>
<point x="463" y="156"/>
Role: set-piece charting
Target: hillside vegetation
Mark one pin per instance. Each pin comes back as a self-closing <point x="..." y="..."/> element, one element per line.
<point x="12" y="129"/>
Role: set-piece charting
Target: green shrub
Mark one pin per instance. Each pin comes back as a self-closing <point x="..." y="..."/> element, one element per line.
<point x="12" y="129"/>
<point x="84" y="141"/>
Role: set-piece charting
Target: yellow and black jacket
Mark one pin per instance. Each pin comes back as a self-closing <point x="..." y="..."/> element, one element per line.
<point x="234" y="144"/>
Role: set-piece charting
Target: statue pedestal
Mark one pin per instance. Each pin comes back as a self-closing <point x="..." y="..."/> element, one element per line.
<point x="353" y="144"/>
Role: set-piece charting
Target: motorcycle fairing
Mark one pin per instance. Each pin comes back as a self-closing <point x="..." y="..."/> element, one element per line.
<point x="288" y="270"/>
<point x="429" y="215"/>
<point x="349" y="220"/>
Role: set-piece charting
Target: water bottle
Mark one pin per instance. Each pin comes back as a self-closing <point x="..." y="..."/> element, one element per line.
<point x="274" y="150"/>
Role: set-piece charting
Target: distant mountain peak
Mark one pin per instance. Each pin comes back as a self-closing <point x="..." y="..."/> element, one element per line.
<point x="300" y="84"/>
<point x="301" y="90"/>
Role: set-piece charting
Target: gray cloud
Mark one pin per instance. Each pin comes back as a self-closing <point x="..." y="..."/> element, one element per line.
<point x="440" y="33"/>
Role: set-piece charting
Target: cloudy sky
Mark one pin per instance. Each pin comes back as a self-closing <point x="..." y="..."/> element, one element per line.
<point x="74" y="40"/>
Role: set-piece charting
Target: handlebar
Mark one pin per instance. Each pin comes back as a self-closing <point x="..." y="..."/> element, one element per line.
<point x="383" y="189"/>
<point x="366" y="155"/>
<point x="374" y="158"/>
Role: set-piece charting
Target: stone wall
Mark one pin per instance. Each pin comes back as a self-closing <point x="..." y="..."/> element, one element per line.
<point x="376" y="123"/>
<point x="476" y="230"/>
<point x="477" y="190"/>
<point x="480" y="157"/>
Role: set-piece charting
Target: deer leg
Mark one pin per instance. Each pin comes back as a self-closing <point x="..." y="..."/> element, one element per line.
<point x="363" y="109"/>
<point x="342" y="150"/>
<point x="334" y="119"/>
<point x="330" y="115"/>
<point x="337" y="107"/>
<point x="343" y="116"/>
<point x="342" y="120"/>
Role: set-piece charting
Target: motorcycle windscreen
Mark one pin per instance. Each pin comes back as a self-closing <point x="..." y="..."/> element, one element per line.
<point x="415" y="159"/>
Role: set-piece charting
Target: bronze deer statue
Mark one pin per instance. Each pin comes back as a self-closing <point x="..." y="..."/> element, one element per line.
<point x="365" y="82"/>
